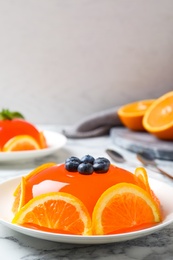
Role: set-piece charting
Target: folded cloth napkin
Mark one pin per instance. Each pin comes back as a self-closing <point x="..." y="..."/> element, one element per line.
<point x="95" y="125"/>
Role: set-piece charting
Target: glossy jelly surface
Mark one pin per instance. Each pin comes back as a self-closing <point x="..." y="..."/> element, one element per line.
<point x="88" y="188"/>
<point x="11" y="128"/>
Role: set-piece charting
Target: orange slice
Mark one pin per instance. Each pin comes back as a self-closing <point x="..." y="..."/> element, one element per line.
<point x="56" y="211"/>
<point x="124" y="207"/>
<point x="132" y="114"/>
<point x="19" y="199"/>
<point x="142" y="175"/>
<point x="158" y="119"/>
<point x="19" y="192"/>
<point x="21" y="143"/>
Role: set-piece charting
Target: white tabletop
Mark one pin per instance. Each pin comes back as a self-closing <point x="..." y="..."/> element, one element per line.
<point x="16" y="246"/>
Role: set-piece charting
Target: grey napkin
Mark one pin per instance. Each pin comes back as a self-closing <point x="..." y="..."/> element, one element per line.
<point x="97" y="124"/>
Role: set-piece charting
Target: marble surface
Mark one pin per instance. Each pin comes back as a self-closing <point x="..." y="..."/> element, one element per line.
<point x="17" y="246"/>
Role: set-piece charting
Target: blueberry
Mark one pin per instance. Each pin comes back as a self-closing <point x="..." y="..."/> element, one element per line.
<point x="87" y="159"/>
<point x="72" y="163"/>
<point x="85" y="168"/>
<point x="102" y="159"/>
<point x="73" y="158"/>
<point x="101" y="165"/>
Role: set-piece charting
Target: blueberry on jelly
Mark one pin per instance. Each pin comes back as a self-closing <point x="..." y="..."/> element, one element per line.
<point x="72" y="163"/>
<point x="101" y="165"/>
<point x="85" y="168"/>
<point x="73" y="158"/>
<point x="87" y="164"/>
<point x="87" y="159"/>
<point x="102" y="159"/>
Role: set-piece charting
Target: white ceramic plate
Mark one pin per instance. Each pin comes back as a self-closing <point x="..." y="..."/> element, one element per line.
<point x="162" y="190"/>
<point x="55" y="141"/>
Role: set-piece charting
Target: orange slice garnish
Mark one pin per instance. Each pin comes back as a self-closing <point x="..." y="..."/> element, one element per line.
<point x="21" y="143"/>
<point x="124" y="207"/>
<point x="56" y="211"/>
<point x="19" y="196"/>
<point x="142" y="175"/>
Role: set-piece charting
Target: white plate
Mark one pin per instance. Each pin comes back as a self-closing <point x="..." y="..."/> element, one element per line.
<point x="162" y="190"/>
<point x="54" y="140"/>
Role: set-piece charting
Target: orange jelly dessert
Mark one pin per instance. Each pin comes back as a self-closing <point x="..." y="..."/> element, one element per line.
<point x="85" y="196"/>
<point x="16" y="134"/>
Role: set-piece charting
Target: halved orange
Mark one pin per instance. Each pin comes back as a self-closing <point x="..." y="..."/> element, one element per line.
<point x="131" y="115"/>
<point x="158" y="119"/>
<point x="57" y="212"/>
<point x="21" y="143"/>
<point x="19" y="192"/>
<point x="124" y="207"/>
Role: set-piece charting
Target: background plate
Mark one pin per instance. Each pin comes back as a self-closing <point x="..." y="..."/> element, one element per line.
<point x="55" y="141"/>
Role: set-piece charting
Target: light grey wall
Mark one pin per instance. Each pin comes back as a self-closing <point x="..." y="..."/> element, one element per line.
<point x="61" y="60"/>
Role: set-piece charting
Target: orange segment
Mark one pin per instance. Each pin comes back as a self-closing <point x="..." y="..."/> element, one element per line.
<point x="124" y="207"/>
<point x="19" y="192"/>
<point x="158" y="119"/>
<point x="56" y="211"/>
<point x="21" y="143"/>
<point x="132" y="114"/>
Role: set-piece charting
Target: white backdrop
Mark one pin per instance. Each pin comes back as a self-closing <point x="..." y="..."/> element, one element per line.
<point x="62" y="60"/>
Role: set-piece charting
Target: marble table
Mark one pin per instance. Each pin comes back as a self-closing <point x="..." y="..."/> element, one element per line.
<point x="16" y="246"/>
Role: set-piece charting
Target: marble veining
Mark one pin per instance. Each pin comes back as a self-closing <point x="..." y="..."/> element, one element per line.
<point x="16" y="246"/>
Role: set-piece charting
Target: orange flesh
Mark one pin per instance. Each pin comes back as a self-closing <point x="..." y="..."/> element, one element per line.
<point x="140" y="216"/>
<point x="132" y="114"/>
<point x="11" y="128"/>
<point x="87" y="188"/>
<point x="162" y="114"/>
<point x="138" y="107"/>
<point x="62" y="221"/>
